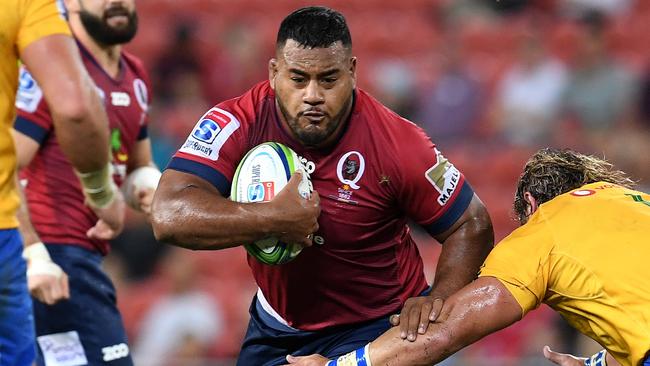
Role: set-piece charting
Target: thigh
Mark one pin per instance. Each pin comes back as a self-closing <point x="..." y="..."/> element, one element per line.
<point x="87" y="328"/>
<point x="16" y="320"/>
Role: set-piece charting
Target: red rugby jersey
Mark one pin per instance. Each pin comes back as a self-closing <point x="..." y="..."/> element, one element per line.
<point x="53" y="192"/>
<point x="383" y="170"/>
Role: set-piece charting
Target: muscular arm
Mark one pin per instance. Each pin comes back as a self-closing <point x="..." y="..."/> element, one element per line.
<point x="190" y="212"/>
<point x="79" y="118"/>
<point x="465" y="246"/>
<point x="480" y="308"/>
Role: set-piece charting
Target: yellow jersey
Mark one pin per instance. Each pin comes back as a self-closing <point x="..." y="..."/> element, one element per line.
<point x="21" y="23"/>
<point x="586" y="254"/>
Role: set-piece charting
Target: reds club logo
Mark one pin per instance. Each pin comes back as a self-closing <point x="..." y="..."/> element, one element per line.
<point x="350" y="169"/>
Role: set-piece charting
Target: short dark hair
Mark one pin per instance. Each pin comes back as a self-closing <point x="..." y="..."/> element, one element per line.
<point x="552" y="172"/>
<point x="314" y="27"/>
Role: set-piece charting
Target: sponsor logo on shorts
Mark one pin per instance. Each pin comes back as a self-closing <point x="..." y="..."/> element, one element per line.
<point x="115" y="352"/>
<point x="444" y="177"/>
<point x="62" y="349"/>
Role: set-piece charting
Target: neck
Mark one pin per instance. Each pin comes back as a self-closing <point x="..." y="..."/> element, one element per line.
<point x="108" y="57"/>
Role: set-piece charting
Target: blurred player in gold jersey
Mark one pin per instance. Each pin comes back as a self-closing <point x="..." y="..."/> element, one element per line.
<point x="582" y="249"/>
<point x="34" y="32"/>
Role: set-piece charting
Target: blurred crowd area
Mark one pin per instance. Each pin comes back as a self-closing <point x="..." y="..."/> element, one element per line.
<point x="490" y="81"/>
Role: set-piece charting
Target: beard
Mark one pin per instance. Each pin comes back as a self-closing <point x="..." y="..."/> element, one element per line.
<point x="99" y="29"/>
<point x="312" y="136"/>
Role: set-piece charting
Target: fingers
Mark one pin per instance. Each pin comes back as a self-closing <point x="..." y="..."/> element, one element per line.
<point x="425" y="312"/>
<point x="49" y="289"/>
<point x="561" y="359"/>
<point x="413" y="323"/>
<point x="101" y="231"/>
<point x="403" y="323"/>
<point x="436" y="308"/>
<point x="394" y="320"/>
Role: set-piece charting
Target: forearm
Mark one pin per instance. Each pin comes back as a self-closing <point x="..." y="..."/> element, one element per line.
<point x="480" y="308"/>
<point x="25" y="226"/>
<point x="77" y="111"/>
<point x="197" y="218"/>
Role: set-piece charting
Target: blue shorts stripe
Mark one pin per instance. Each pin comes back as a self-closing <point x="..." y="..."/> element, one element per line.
<point x="202" y="171"/>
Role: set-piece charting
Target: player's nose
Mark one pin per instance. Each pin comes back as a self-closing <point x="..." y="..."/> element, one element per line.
<point x="313" y="94"/>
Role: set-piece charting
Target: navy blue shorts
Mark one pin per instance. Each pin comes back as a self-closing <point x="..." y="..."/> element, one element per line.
<point x="268" y="342"/>
<point x="16" y="320"/>
<point x="88" y="328"/>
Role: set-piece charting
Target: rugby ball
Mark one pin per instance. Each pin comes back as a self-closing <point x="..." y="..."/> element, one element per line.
<point x="261" y="174"/>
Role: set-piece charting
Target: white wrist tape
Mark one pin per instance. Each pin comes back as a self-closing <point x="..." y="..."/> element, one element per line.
<point x="39" y="261"/>
<point x="359" y="357"/>
<point x="599" y="359"/>
<point x="146" y="177"/>
<point x="98" y="186"/>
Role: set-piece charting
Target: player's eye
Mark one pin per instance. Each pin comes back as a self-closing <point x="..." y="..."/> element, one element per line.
<point x="297" y="79"/>
<point x="329" y="80"/>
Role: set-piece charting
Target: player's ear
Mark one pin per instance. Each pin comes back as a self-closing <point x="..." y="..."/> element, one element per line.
<point x="353" y="70"/>
<point x="273" y="71"/>
<point x="532" y="203"/>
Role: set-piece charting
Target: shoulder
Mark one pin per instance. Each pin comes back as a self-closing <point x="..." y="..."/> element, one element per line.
<point x="249" y="106"/>
<point x="136" y="65"/>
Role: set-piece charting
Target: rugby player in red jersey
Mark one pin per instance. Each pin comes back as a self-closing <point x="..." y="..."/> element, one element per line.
<point x="371" y="170"/>
<point x="87" y="328"/>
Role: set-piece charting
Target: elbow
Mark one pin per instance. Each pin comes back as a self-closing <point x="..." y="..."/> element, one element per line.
<point x="162" y="221"/>
<point x="77" y="104"/>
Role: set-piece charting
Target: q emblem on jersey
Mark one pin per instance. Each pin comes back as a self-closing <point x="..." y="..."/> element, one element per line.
<point x="141" y="95"/>
<point x="350" y="169"/>
<point x="29" y="94"/>
<point x="210" y="134"/>
<point x="444" y="177"/>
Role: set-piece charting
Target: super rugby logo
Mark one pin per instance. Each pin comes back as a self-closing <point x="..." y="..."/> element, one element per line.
<point x="444" y="177"/>
<point x="350" y="169"/>
<point x="260" y="191"/>
<point x="29" y="93"/>
<point x="210" y="133"/>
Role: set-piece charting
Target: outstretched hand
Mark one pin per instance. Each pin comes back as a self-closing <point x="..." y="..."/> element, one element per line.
<point x="312" y="360"/>
<point x="416" y="315"/>
<point x="562" y="359"/>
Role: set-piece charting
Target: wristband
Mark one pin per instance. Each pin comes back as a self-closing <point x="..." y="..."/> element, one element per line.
<point x="359" y="357"/>
<point x="98" y="186"/>
<point x="599" y="359"/>
<point x="40" y="262"/>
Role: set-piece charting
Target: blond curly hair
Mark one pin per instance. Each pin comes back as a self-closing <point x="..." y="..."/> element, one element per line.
<point x="552" y="172"/>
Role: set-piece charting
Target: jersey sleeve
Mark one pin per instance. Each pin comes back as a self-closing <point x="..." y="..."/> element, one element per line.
<point x="33" y="116"/>
<point x="433" y="192"/>
<point x="213" y="149"/>
<point x="41" y="18"/>
<point x="522" y="262"/>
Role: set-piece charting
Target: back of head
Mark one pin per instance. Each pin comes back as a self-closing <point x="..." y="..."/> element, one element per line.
<point x="552" y="172"/>
<point x="314" y="27"/>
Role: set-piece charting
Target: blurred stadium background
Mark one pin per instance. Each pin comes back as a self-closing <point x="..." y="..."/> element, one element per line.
<point x="490" y="81"/>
